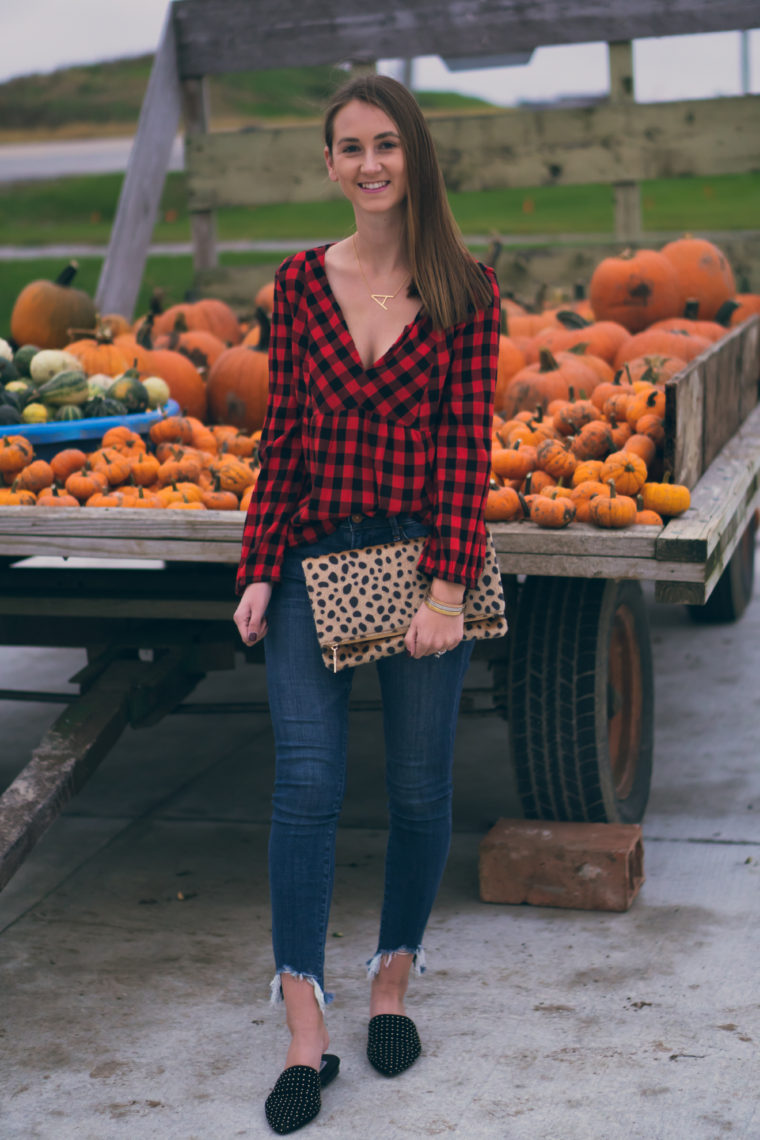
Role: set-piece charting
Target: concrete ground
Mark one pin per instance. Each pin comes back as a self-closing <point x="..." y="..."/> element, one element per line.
<point x="135" y="958"/>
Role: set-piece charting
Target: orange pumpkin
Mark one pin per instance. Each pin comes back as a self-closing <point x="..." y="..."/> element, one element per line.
<point x="185" y="381"/>
<point x="702" y="271"/>
<point x="635" y="289"/>
<point x="238" y="388"/>
<point x="44" y="311"/>
<point x="64" y="462"/>
<point x="748" y="305"/>
<point x="502" y="504"/>
<point x="35" y="476"/>
<point x="614" y="512"/>
<point x="511" y="360"/>
<point x="15" y="452"/>
<point x="661" y="342"/>
<point x="627" y="470"/>
<point x="98" y="354"/>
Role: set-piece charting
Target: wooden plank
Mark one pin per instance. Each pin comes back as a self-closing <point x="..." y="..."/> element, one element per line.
<point x="589" y="566"/>
<point x="627" y="192"/>
<point x="195" y="113"/>
<point x="721" y="501"/>
<point x="706" y="402"/>
<point x="135" y="692"/>
<point x="601" y="143"/>
<point x="722" y="397"/>
<point x="143" y="182"/>
<point x="68" y="753"/>
<point x="684" y="417"/>
<point x="749" y="364"/>
<point x="579" y="539"/>
<point x="216" y="36"/>
<point x="149" y="609"/>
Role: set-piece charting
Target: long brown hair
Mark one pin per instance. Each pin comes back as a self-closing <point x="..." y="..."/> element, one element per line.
<point x="448" y="280"/>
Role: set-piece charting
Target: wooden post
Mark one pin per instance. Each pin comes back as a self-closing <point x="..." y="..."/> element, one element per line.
<point x="627" y="193"/>
<point x="143" y="183"/>
<point x="202" y="222"/>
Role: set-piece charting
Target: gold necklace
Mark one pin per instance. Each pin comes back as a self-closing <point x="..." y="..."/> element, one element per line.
<point x="380" y="299"/>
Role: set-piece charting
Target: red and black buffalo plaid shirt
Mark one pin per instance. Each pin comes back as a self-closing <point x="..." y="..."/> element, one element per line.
<point x="411" y="433"/>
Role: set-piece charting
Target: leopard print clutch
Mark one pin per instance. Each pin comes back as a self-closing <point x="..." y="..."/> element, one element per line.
<point x="363" y="601"/>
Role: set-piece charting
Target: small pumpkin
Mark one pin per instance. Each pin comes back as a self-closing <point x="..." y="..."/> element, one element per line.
<point x="85" y="482"/>
<point x="53" y="496"/>
<point x="66" y="461"/>
<point x="35" y="476"/>
<point x="552" y="513"/>
<point x="556" y="459"/>
<point x="646" y="517"/>
<point x="627" y="470"/>
<point x="128" y="389"/>
<point x="614" y="512"/>
<point x="15" y="452"/>
<point x="502" y="504"/>
<point x="668" y="499"/>
<point x="514" y="462"/>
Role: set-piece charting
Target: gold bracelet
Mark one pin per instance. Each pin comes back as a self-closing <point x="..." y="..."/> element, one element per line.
<point x="436" y="607"/>
<point x="447" y="605"/>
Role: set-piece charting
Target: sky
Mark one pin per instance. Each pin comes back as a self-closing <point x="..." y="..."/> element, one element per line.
<point x="42" y="35"/>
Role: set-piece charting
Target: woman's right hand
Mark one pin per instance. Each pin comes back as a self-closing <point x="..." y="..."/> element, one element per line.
<point x="250" y="615"/>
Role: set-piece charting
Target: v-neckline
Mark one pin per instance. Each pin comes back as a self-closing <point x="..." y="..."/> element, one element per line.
<point x="321" y="252"/>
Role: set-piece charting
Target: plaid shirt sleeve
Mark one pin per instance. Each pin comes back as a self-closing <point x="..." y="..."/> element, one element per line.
<point x="282" y="473"/>
<point x="455" y="550"/>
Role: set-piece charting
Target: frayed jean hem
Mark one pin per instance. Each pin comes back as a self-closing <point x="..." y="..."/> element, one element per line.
<point x="384" y="957"/>
<point x="275" y="987"/>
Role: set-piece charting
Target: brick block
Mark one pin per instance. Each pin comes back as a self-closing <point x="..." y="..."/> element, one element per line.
<point x="588" y="866"/>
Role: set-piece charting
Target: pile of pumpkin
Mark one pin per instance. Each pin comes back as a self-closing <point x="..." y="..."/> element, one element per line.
<point x="580" y="398"/>
<point x="184" y="465"/>
<point x="198" y="353"/>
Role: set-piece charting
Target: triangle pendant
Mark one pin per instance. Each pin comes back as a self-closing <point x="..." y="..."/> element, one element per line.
<point x="381" y="299"/>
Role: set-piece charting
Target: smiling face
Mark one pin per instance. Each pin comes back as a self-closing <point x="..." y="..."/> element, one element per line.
<point x="367" y="158"/>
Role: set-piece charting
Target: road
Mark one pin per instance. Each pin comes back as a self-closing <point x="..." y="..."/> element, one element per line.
<point x="36" y="160"/>
<point x="135" y="944"/>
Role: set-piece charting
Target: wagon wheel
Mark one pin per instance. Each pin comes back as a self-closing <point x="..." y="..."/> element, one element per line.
<point x="580" y="700"/>
<point x="733" y="593"/>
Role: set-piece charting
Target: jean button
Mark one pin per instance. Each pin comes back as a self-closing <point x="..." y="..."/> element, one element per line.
<point x="356" y="518"/>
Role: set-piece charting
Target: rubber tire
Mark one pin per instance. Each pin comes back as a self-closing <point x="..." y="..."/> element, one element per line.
<point x="559" y="701"/>
<point x="733" y="593"/>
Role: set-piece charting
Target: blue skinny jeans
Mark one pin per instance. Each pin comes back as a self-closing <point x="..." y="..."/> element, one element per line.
<point x="309" y="709"/>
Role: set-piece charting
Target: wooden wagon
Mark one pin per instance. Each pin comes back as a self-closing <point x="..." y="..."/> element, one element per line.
<point x="574" y="677"/>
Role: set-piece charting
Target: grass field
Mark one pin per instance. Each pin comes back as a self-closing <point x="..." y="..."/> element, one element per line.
<point x="82" y="210"/>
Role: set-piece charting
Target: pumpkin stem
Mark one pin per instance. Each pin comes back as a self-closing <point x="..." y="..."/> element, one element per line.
<point x="572" y="320"/>
<point x="67" y="274"/>
<point x="725" y="312"/>
<point x="266" y="327"/>
<point x="145" y="332"/>
<point x="691" y="308"/>
<point x="180" y="324"/>
<point x="611" y="485"/>
<point x="524" y="504"/>
<point x="547" y="361"/>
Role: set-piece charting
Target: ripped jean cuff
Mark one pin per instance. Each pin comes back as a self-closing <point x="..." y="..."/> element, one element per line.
<point x="384" y="957"/>
<point x="275" y="987"/>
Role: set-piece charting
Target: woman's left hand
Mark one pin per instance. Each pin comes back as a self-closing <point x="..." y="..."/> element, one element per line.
<point x="431" y="633"/>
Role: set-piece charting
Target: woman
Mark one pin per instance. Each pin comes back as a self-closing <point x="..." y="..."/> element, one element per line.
<point x="382" y="373"/>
